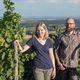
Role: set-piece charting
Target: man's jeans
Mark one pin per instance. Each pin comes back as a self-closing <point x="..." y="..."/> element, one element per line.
<point x="68" y="74"/>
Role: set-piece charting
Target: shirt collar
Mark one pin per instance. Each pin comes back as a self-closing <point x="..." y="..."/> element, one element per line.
<point x="74" y="33"/>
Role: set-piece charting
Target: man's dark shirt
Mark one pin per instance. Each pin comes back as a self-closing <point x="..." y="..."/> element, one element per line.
<point x="68" y="48"/>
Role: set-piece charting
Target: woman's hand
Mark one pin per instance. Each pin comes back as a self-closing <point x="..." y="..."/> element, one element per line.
<point x="16" y="43"/>
<point x="25" y="48"/>
<point x="53" y="73"/>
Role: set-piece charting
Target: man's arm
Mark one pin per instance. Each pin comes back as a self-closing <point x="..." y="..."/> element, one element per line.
<point x="60" y="65"/>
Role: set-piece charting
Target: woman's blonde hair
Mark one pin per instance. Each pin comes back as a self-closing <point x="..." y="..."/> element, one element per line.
<point x="41" y="24"/>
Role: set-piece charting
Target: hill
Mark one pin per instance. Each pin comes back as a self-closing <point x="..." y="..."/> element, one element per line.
<point x="33" y="22"/>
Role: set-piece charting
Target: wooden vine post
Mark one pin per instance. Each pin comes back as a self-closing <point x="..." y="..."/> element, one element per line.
<point x="16" y="59"/>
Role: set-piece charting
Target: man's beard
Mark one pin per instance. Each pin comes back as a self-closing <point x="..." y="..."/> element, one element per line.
<point x="70" y="29"/>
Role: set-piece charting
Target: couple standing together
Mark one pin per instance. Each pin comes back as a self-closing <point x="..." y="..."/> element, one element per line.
<point x="65" y="55"/>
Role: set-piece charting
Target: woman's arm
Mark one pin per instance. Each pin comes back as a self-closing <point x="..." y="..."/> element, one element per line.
<point x="22" y="49"/>
<point x="53" y="62"/>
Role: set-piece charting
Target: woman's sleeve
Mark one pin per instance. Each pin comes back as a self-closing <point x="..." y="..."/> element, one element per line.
<point x="30" y="42"/>
<point x="51" y="44"/>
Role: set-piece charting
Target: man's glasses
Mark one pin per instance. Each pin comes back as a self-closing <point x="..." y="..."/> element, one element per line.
<point x="70" y="23"/>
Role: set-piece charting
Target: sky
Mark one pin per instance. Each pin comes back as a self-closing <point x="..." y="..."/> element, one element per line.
<point x="45" y="8"/>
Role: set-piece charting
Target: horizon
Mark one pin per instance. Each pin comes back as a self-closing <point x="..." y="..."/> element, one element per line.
<point x="46" y="18"/>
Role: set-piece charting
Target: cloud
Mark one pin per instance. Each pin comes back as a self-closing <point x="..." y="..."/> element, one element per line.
<point x="53" y="1"/>
<point x="60" y="2"/>
<point x="27" y="1"/>
<point x="76" y="2"/>
<point x="32" y="1"/>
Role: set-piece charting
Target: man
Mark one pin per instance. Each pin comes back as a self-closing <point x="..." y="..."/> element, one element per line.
<point x="67" y="51"/>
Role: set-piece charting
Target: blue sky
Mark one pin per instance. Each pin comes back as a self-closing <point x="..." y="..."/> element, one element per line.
<point x="42" y="8"/>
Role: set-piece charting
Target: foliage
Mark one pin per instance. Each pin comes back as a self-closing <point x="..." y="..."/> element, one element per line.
<point x="10" y="30"/>
<point x="57" y="30"/>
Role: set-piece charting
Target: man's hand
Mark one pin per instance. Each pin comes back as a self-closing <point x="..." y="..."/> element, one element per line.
<point x="61" y="67"/>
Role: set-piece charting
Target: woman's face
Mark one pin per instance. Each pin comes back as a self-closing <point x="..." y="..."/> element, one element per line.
<point x="40" y="31"/>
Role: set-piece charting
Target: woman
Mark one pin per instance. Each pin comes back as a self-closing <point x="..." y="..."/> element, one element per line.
<point x="44" y="62"/>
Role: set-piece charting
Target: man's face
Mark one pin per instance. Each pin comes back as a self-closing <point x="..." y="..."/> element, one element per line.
<point x="70" y="24"/>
